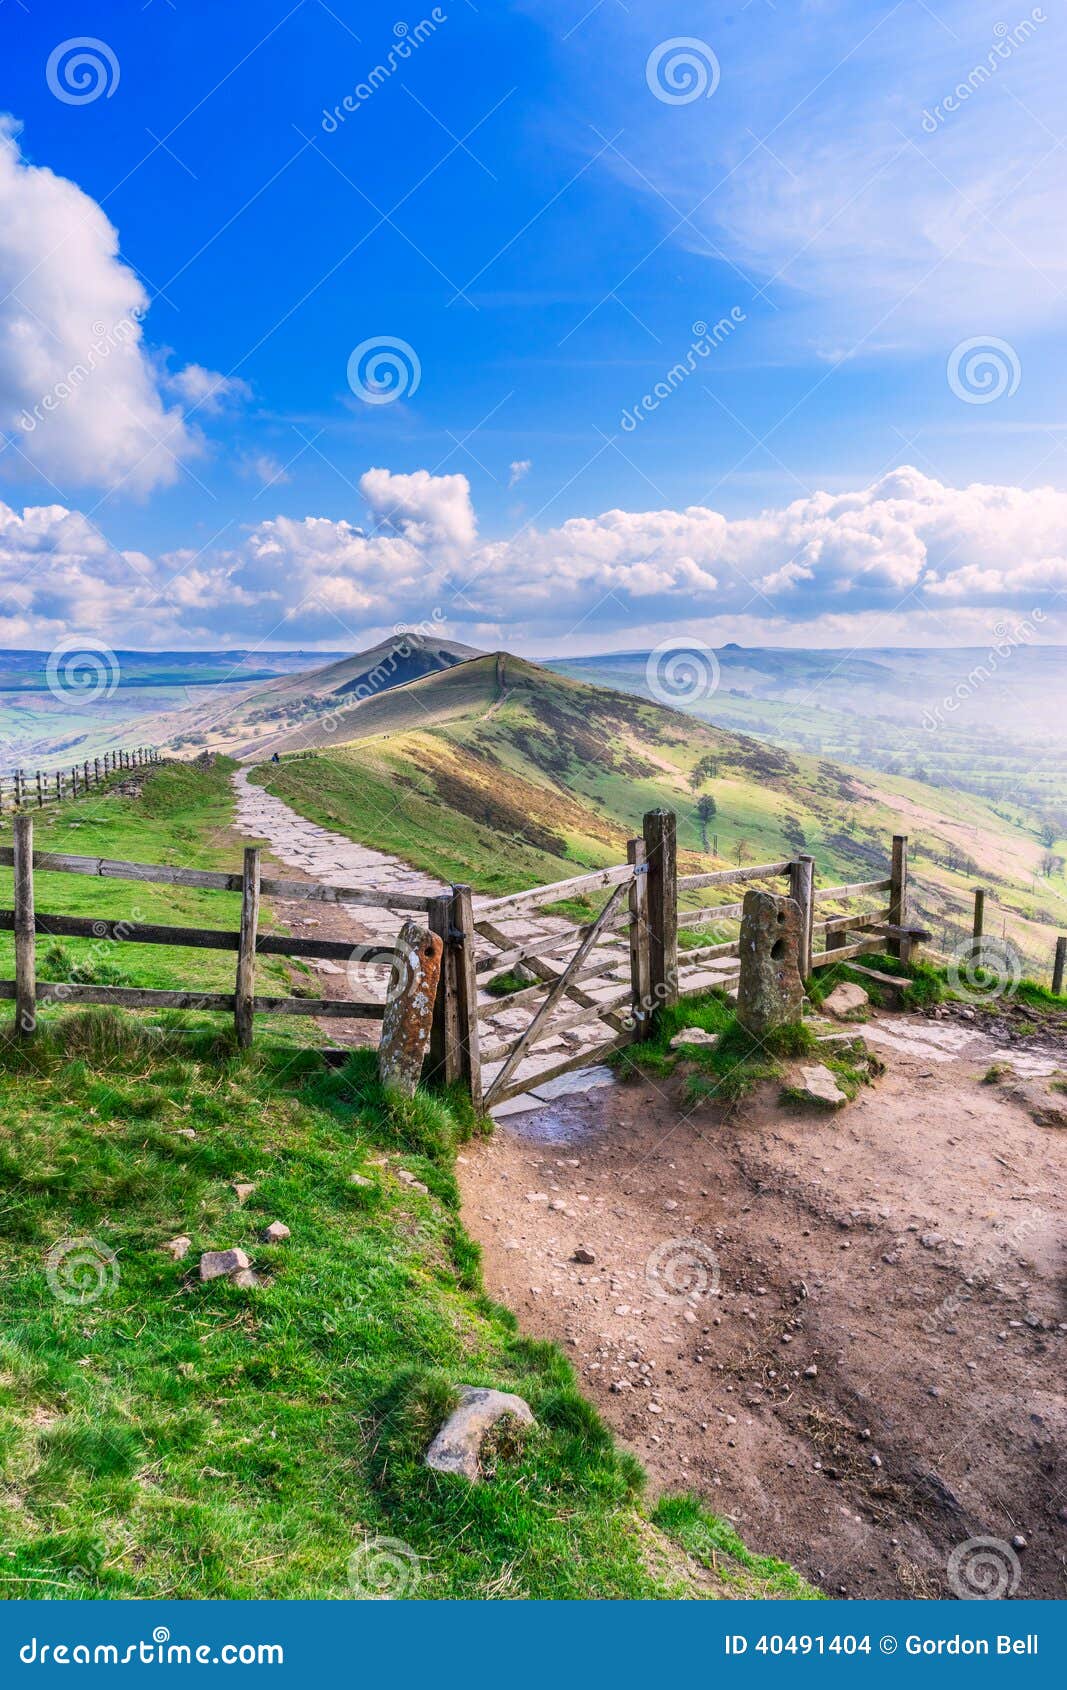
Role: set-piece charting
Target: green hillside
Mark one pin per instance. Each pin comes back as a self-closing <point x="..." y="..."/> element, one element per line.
<point x="163" y="1438"/>
<point x="507" y="774"/>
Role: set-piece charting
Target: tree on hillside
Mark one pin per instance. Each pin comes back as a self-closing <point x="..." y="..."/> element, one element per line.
<point x="1050" y="864"/>
<point x="706" y="812"/>
<point x="741" y="851"/>
<point x="1047" y="835"/>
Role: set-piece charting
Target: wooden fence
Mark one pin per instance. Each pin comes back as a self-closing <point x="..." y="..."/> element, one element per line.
<point x="26" y="922"/>
<point x="977" y="948"/>
<point x="607" y="978"/>
<point x="592" y="987"/>
<point x="34" y="788"/>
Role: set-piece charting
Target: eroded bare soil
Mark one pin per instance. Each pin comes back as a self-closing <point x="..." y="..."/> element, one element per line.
<point x="877" y="1376"/>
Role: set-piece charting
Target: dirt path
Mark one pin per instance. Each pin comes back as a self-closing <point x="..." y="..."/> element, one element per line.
<point x="868" y="1371"/>
<point x="336" y="860"/>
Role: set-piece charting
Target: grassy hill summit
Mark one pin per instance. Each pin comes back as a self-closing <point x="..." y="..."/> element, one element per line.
<point x="506" y="773"/>
<point x="266" y="718"/>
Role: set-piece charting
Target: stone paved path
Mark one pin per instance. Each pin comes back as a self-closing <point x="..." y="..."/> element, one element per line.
<point x="329" y="857"/>
<point x="336" y="860"/>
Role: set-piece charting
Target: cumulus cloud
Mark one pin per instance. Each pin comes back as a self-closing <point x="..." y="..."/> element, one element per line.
<point x="206" y="390"/>
<point x="424" y="508"/>
<point x="885" y="562"/>
<point x="79" y="394"/>
<point x="520" y="469"/>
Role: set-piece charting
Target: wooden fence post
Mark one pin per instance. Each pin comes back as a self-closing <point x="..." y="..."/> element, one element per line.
<point x="801" y="890"/>
<point x="1058" y="966"/>
<point x="18" y="787"/>
<point x="978" y="925"/>
<point x="640" y="983"/>
<point x="40" y="792"/>
<point x="470" y="1060"/>
<point x="898" y="890"/>
<point x="245" y="994"/>
<point x="443" y="1061"/>
<point x="661" y="851"/>
<point x="25" y="930"/>
<point x="59" y="787"/>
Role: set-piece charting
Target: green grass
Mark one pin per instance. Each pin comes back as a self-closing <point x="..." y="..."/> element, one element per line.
<point x="165" y="1438"/>
<point x="182" y="817"/>
<point x="732" y="1069"/>
<point x="173" y="1439"/>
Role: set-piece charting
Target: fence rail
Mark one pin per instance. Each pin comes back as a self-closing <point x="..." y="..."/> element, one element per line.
<point x="34" y="788"/>
<point x="26" y="922"/>
<point x="606" y="977"/>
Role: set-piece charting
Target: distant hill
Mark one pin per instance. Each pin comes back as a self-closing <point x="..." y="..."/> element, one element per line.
<point x="316" y="705"/>
<point x="505" y="772"/>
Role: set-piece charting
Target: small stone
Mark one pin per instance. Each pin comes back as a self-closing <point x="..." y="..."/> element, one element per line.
<point x="458" y="1445"/>
<point x="275" y="1233"/>
<point x="846" y="1001"/>
<point x="242" y="1191"/>
<point x="1018" y="1541"/>
<point x="408" y="1178"/>
<point x="876" y="1460"/>
<point x="186" y="1132"/>
<point x="819" y="1086"/>
<point x="583" y="1255"/>
<point x="537" y="1197"/>
<point x="359" y="1179"/>
<point x="218" y="1264"/>
<point x="694" y="1036"/>
<point x="811" y="1372"/>
<point x="245" y="1278"/>
<point x="177" y="1248"/>
<point x="931" y="1240"/>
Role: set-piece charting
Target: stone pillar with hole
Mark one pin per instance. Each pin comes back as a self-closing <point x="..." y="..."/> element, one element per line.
<point x="770" y="993"/>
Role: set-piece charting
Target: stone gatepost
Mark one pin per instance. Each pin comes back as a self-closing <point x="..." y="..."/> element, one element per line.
<point x="771" y="992"/>
<point x="409" y="1002"/>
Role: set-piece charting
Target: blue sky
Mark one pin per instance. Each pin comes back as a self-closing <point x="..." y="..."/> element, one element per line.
<point x="513" y="198"/>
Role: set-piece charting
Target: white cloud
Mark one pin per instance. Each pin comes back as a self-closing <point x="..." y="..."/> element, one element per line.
<point x="262" y="467"/>
<point x="893" y="161"/>
<point x="520" y="469"/>
<point x="905" y="560"/>
<point x="424" y="508"/>
<point x="79" y="394"/>
<point x="206" y="390"/>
